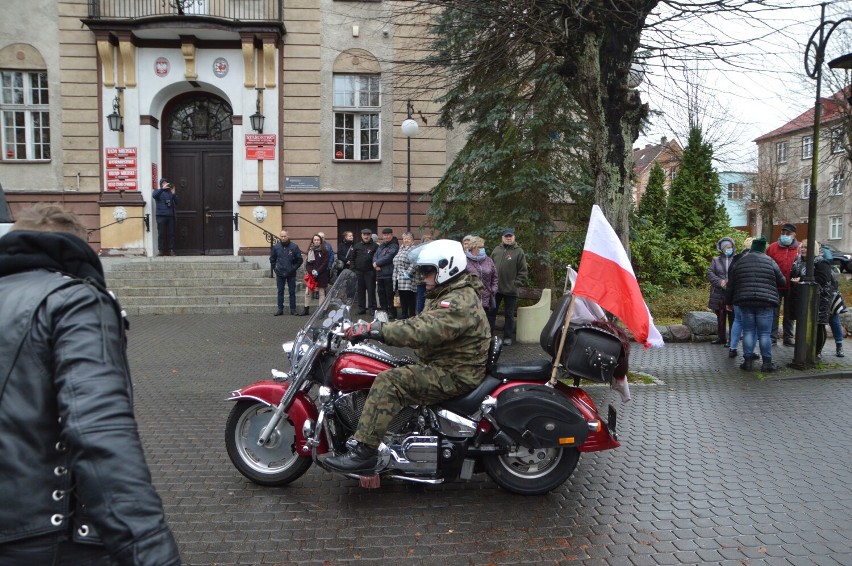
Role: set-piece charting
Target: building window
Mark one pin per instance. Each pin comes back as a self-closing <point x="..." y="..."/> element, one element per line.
<point x="806" y="188"/>
<point x="835" y="227"/>
<point x="357" y="117"/>
<point x="672" y="174"/>
<point x="25" y="115"/>
<point x="781" y="152"/>
<point x="735" y="191"/>
<point x="836" y="140"/>
<point x="835" y="186"/>
<point x="807" y="147"/>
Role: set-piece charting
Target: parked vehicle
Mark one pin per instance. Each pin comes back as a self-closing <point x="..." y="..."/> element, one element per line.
<point x="839" y="258"/>
<point x="525" y="434"/>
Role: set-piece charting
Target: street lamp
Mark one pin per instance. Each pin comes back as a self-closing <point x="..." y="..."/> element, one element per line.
<point x="805" y="352"/>
<point x="409" y="129"/>
<point x="257" y="118"/>
<point x="115" y="121"/>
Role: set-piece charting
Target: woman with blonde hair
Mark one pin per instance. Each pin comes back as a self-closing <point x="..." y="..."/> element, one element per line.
<point x="479" y="264"/>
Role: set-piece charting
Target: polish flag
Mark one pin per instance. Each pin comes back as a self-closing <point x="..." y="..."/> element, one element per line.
<point x="606" y="277"/>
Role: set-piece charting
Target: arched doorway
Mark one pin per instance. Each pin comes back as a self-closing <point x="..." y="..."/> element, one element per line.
<point x="198" y="159"/>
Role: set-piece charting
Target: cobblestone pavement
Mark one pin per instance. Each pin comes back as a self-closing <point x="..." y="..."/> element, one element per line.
<point x="717" y="466"/>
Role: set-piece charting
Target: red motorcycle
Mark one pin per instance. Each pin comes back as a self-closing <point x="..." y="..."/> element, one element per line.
<point x="520" y="426"/>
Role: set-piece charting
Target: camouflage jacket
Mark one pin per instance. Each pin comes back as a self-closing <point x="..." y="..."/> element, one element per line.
<point x="451" y="333"/>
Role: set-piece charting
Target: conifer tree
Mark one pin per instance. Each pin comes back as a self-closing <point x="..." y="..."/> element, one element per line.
<point x="652" y="205"/>
<point x="694" y="197"/>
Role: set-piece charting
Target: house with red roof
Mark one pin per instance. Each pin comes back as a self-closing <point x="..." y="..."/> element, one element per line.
<point x="667" y="153"/>
<point x="785" y="160"/>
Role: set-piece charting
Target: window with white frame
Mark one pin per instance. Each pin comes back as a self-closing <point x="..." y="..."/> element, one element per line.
<point x="806" y="188"/>
<point x="781" y="151"/>
<point x="835" y="227"/>
<point x="357" y="117"/>
<point x="836" y="185"/>
<point x="672" y="174"/>
<point x="807" y="147"/>
<point x="836" y="140"/>
<point x="25" y="116"/>
<point x="735" y="191"/>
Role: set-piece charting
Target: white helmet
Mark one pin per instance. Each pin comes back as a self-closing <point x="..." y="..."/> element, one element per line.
<point x="445" y="256"/>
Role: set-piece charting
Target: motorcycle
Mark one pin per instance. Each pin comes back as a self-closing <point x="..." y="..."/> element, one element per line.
<point x="520" y="426"/>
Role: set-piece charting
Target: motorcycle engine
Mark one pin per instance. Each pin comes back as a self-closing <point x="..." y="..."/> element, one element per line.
<point x="348" y="409"/>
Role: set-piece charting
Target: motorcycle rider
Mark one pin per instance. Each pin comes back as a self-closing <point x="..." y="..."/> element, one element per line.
<point x="451" y="338"/>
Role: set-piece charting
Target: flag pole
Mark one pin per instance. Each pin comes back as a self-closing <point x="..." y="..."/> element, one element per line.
<point x="565" y="324"/>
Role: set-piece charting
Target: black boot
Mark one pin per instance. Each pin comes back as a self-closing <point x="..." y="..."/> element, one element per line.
<point x="304" y="312"/>
<point x="732" y="353"/>
<point x="840" y="353"/>
<point x="361" y="459"/>
<point x="748" y="363"/>
<point x="768" y="366"/>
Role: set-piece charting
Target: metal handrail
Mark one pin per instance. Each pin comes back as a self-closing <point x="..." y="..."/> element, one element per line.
<point x="270" y="237"/>
<point x="263" y="11"/>
<point x="146" y="219"/>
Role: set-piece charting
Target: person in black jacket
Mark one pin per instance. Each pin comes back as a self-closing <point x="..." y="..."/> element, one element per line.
<point x="286" y="258"/>
<point x="383" y="264"/>
<point x="166" y="197"/>
<point x="74" y="485"/>
<point x="753" y="287"/>
<point x="362" y="262"/>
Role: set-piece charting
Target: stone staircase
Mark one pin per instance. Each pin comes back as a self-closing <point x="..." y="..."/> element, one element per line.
<point x="193" y="285"/>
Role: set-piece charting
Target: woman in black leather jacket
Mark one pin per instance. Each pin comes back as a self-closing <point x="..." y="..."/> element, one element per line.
<point x="74" y="485"/>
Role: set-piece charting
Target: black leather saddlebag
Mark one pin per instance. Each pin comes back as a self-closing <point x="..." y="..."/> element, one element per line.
<point x="592" y="353"/>
<point x="540" y="417"/>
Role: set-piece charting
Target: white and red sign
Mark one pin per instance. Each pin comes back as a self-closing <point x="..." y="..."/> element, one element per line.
<point x="122" y="185"/>
<point x="121" y="171"/>
<point x="121" y="152"/>
<point x="161" y="67"/>
<point x="260" y="147"/>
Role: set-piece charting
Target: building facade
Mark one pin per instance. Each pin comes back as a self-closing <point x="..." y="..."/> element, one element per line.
<point x="736" y="194"/>
<point x="191" y="82"/>
<point x="667" y="153"/>
<point x="783" y="180"/>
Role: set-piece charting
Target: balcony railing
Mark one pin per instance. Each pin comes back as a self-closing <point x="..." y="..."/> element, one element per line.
<point x="236" y="10"/>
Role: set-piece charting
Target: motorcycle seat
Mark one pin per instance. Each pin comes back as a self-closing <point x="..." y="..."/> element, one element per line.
<point x="468" y="403"/>
<point x="537" y="371"/>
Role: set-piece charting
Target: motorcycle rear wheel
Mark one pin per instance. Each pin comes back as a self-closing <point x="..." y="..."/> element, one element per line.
<point x="528" y="471"/>
<point x="277" y="463"/>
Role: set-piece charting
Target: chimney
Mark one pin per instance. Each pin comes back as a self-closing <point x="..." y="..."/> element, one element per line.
<point x="663" y="140"/>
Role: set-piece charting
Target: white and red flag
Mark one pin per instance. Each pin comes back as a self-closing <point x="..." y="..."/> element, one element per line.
<point x="606" y="277"/>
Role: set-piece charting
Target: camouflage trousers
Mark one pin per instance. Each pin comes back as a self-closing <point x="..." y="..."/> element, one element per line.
<point x="397" y="388"/>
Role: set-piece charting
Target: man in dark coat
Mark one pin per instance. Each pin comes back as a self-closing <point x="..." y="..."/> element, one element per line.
<point x="511" y="266"/>
<point x="166" y="198"/>
<point x="74" y="485"/>
<point x="285" y="260"/>
<point x="362" y="262"/>
<point x="383" y="264"/>
<point x="753" y="287"/>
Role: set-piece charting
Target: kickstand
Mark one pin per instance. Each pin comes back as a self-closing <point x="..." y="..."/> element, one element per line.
<point x="370" y="482"/>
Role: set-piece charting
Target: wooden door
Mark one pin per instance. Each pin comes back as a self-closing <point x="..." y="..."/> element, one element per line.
<point x="202" y="175"/>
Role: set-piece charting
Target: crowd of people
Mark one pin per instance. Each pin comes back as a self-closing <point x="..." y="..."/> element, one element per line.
<point x="749" y="290"/>
<point x="387" y="279"/>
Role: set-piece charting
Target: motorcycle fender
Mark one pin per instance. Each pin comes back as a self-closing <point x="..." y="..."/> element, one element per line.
<point x="270" y="393"/>
<point x="597" y="440"/>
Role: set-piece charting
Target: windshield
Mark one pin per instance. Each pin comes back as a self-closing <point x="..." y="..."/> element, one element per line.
<point x="333" y="310"/>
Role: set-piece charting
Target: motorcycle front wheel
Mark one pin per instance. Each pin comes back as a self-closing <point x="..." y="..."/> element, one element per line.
<point x="277" y="463"/>
<point x="529" y="471"/>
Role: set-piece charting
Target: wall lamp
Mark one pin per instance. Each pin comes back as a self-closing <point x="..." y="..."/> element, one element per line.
<point x="115" y="120"/>
<point x="257" y="118"/>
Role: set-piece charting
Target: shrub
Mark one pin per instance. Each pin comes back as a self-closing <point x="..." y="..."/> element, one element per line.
<point x="669" y="307"/>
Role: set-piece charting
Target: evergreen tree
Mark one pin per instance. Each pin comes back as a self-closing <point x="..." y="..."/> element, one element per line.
<point x="694" y="205"/>
<point x="652" y="205"/>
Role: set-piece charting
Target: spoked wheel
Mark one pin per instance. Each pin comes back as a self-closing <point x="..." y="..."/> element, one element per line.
<point x="530" y="471"/>
<point x="277" y="463"/>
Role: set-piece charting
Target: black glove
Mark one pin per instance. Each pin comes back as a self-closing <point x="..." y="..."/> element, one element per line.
<point x="364" y="331"/>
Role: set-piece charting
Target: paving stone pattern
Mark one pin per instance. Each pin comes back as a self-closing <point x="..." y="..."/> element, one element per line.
<point x="717" y="466"/>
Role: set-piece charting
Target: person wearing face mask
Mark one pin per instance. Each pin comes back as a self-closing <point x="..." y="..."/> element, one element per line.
<point x="784" y="252"/>
<point x="717" y="275"/>
<point x="479" y="264"/>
